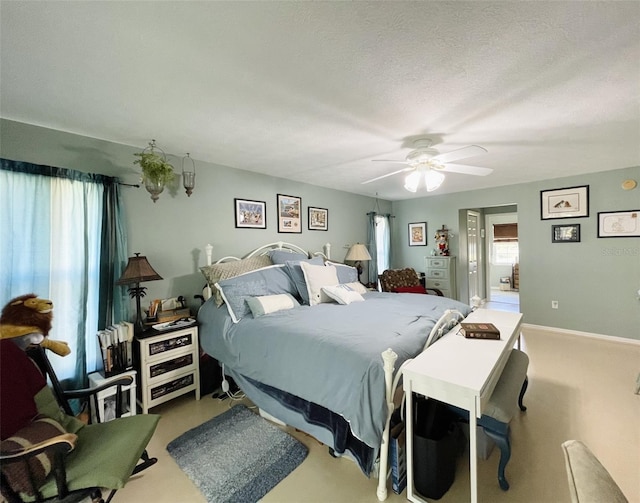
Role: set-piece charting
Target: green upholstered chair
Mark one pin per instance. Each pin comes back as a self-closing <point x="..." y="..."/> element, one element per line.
<point x="589" y="481"/>
<point x="85" y="459"/>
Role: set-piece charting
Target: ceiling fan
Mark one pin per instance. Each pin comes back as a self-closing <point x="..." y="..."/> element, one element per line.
<point x="428" y="163"/>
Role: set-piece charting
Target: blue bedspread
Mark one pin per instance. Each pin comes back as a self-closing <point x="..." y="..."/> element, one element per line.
<point x="328" y="354"/>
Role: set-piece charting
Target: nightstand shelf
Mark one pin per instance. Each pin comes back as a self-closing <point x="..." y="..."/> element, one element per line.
<point x="107" y="397"/>
<point x="168" y="364"/>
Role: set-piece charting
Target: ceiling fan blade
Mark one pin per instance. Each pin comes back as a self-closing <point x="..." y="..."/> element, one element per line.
<point x="395" y="161"/>
<point x="467" y="170"/>
<point x="461" y="153"/>
<point x="388" y="174"/>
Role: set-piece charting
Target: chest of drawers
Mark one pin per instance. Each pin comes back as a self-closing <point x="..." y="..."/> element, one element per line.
<point x="440" y="273"/>
<point x="168" y="366"/>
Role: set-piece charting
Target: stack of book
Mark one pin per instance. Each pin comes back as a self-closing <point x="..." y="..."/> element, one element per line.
<point x="115" y="344"/>
<point x="480" y="331"/>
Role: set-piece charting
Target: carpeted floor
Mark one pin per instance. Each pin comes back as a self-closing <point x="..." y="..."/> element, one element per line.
<point x="237" y="456"/>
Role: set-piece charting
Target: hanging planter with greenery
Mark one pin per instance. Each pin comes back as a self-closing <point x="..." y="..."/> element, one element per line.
<point x="156" y="171"/>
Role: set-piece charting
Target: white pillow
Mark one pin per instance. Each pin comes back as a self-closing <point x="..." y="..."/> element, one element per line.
<point x="317" y="276"/>
<point x="342" y="294"/>
<point x="357" y="286"/>
<point x="266" y="304"/>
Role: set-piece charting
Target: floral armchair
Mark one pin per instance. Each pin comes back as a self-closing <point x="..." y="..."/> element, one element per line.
<point x="404" y="281"/>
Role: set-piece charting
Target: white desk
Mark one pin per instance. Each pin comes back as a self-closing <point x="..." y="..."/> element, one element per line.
<point x="461" y="372"/>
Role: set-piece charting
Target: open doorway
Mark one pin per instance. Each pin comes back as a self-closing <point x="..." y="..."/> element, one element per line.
<point x="502" y="264"/>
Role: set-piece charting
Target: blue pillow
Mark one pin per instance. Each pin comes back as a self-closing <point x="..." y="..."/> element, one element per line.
<point x="283" y="256"/>
<point x="295" y="271"/>
<point x="346" y="273"/>
<point x="270" y="280"/>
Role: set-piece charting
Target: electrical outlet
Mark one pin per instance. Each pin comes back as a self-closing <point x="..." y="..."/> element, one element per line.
<point x="638" y="385"/>
<point x="554" y="304"/>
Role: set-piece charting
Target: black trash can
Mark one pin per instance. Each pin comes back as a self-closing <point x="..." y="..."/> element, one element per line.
<point x="435" y="448"/>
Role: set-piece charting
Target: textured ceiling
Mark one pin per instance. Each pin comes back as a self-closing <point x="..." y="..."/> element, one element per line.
<point x="313" y="91"/>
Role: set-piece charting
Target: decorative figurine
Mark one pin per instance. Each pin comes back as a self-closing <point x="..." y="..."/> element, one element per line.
<point x="442" y="240"/>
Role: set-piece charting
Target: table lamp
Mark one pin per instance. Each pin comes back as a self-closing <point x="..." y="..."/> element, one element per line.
<point x="138" y="270"/>
<point x="358" y="253"/>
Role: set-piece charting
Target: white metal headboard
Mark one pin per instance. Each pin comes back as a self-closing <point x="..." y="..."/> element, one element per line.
<point x="263" y="250"/>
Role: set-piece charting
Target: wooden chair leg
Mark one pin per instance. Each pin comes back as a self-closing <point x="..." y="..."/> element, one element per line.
<point x="503" y="443"/>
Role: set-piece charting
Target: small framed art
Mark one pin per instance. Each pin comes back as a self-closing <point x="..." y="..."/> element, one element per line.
<point x="570" y="202"/>
<point x="565" y="233"/>
<point x="619" y="224"/>
<point x="318" y="219"/>
<point x="250" y="214"/>
<point x="418" y="234"/>
<point x="289" y="214"/>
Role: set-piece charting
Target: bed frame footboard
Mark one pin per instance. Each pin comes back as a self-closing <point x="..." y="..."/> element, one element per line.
<point x="389" y="358"/>
<point x="447" y="322"/>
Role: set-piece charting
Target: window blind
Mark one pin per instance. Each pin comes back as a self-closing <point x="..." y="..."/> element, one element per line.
<point x="505" y="232"/>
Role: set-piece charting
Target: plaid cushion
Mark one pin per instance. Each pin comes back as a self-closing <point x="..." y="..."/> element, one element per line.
<point x="40" y="429"/>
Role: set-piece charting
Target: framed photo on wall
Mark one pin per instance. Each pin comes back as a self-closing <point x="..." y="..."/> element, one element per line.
<point x="619" y="224"/>
<point x="318" y="219"/>
<point x="569" y="233"/>
<point x="570" y="202"/>
<point x="250" y="214"/>
<point x="289" y="209"/>
<point x="418" y="234"/>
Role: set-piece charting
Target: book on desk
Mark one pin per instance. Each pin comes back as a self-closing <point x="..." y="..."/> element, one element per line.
<point x="480" y="331"/>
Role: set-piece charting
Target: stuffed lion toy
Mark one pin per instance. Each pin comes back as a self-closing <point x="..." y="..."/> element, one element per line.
<point x="28" y="319"/>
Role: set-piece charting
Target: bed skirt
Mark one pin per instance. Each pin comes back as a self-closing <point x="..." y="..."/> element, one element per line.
<point x="326" y="426"/>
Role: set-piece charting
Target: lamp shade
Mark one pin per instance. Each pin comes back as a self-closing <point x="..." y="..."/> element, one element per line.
<point x="433" y="179"/>
<point x="138" y="270"/>
<point x="358" y="251"/>
<point x="412" y="181"/>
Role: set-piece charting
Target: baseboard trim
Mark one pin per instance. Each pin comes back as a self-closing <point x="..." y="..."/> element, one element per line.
<point x="577" y="333"/>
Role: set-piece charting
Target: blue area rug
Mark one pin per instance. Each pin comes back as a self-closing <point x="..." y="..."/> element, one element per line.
<point x="237" y="456"/>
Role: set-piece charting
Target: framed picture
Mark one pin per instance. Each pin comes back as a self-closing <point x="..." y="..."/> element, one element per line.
<point x="250" y="214"/>
<point x="570" y="202"/>
<point x="418" y="234"/>
<point x="569" y="233"/>
<point x="289" y="219"/>
<point x="318" y="219"/>
<point x="619" y="224"/>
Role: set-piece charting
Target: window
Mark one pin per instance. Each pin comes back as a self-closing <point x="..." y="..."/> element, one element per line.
<point x="67" y="245"/>
<point x="505" y="244"/>
<point x="382" y="242"/>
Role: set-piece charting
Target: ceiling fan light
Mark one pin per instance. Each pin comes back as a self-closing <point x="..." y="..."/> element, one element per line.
<point x="433" y="180"/>
<point x="412" y="181"/>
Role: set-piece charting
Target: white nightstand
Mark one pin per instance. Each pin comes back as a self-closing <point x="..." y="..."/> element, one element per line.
<point x="107" y="397"/>
<point x="169" y="365"/>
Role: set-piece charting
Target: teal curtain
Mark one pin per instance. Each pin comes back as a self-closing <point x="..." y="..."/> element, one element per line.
<point x="68" y="244"/>
<point x="379" y="239"/>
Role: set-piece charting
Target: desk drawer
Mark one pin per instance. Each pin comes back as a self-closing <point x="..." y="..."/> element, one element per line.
<point x="170" y="388"/>
<point x="437" y="263"/>
<point x="155" y="370"/>
<point x="163" y="348"/>
<point x="437" y="274"/>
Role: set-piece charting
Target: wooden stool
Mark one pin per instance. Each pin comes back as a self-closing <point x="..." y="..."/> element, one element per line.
<point x="501" y="408"/>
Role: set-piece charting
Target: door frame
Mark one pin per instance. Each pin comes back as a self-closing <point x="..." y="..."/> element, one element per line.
<point x="494" y="218"/>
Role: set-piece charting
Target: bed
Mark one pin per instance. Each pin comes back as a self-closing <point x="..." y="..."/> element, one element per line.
<point x="324" y="363"/>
